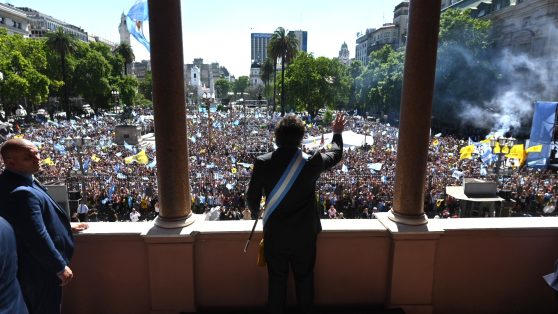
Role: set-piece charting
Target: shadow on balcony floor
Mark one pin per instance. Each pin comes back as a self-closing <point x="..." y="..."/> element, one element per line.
<point x="319" y="310"/>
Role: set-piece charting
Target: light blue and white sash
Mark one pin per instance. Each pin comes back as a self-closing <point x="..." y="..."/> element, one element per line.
<point x="284" y="185"/>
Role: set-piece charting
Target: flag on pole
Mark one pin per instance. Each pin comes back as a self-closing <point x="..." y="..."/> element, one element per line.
<point x="135" y="20"/>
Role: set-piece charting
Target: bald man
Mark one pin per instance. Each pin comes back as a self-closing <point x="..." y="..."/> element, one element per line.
<point x="45" y="243"/>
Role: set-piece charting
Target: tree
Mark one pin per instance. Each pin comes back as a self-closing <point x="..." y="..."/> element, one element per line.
<point x="316" y="83"/>
<point x="146" y="86"/>
<point x="125" y="51"/>
<point x="241" y="84"/>
<point x="464" y="74"/>
<point x="23" y="63"/>
<point x="378" y="88"/>
<point x="285" y="46"/>
<point x="92" y="78"/>
<point x="64" y="45"/>
<point x="222" y="88"/>
<point x="266" y="71"/>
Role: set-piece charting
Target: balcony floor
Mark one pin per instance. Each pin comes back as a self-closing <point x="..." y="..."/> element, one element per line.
<point x="319" y="310"/>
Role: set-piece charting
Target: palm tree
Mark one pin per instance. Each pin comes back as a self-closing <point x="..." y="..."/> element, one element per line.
<point x="126" y="52"/>
<point x="267" y="69"/>
<point x="64" y="45"/>
<point x="285" y="46"/>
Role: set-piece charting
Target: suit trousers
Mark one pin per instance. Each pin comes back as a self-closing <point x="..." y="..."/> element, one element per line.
<point x="43" y="295"/>
<point x="301" y="258"/>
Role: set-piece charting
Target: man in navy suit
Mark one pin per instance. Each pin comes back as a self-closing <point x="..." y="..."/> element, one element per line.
<point x="290" y="232"/>
<point x="45" y="243"/>
<point x="11" y="299"/>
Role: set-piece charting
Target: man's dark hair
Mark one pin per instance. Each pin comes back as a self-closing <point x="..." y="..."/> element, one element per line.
<point x="289" y="132"/>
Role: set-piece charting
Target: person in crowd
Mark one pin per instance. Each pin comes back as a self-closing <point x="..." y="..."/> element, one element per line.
<point x="43" y="231"/>
<point x="134" y="215"/>
<point x="82" y="212"/>
<point x="11" y="299"/>
<point x="332" y="212"/>
<point x="291" y="230"/>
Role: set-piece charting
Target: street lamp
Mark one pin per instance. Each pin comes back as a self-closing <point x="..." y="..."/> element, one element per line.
<point x="79" y="144"/>
<point x="1" y="79"/>
<point x="497" y="146"/>
<point x="208" y="98"/>
<point x="116" y="95"/>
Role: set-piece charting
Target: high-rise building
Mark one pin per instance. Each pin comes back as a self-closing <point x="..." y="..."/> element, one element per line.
<point x="302" y="37"/>
<point x="259" y="42"/>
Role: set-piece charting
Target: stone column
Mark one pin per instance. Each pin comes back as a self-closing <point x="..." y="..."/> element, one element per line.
<point x="169" y="102"/>
<point x="416" y="111"/>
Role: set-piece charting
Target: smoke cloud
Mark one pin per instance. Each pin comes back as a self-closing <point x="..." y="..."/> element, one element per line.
<point x="524" y="80"/>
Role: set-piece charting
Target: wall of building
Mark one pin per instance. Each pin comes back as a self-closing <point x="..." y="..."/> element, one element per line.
<point x="466" y="265"/>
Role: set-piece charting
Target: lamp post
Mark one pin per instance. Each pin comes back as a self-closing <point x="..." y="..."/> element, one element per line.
<point x="116" y="95"/>
<point x="1" y="80"/>
<point x="79" y="144"/>
<point x="497" y="146"/>
<point x="208" y="98"/>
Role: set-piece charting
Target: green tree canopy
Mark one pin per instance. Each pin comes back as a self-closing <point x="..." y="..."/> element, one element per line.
<point x="464" y="73"/>
<point x="222" y="88"/>
<point x="316" y="83"/>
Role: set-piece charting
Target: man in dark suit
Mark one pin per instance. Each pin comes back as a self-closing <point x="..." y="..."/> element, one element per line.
<point x="290" y="232"/>
<point x="11" y="299"/>
<point x="43" y="232"/>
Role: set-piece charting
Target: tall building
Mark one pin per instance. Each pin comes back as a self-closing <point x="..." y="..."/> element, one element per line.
<point x="14" y="20"/>
<point x="259" y="42"/>
<point x="393" y="34"/>
<point x="40" y="24"/>
<point x="362" y="42"/>
<point x="302" y="37"/>
<point x="344" y="56"/>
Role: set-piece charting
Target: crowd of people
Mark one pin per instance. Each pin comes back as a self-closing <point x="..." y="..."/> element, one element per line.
<point x="220" y="166"/>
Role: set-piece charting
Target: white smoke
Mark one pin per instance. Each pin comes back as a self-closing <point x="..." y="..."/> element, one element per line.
<point x="527" y="79"/>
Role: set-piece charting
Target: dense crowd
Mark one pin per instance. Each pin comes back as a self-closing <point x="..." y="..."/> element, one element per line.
<point x="221" y="151"/>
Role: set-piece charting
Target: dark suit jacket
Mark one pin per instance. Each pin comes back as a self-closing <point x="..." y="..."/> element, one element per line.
<point x="11" y="299"/>
<point x="296" y="219"/>
<point x="45" y="243"/>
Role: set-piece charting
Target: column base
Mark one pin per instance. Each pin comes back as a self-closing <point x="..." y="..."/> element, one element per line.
<point x="406" y="219"/>
<point x="174" y="223"/>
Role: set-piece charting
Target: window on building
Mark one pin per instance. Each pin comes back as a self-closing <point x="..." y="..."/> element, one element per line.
<point x="2" y="20"/>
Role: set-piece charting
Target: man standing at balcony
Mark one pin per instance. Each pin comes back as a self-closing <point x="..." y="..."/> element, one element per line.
<point x="43" y="232"/>
<point x="291" y="230"/>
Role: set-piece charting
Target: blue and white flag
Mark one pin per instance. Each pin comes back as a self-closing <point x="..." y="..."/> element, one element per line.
<point x="86" y="164"/>
<point x="152" y="164"/>
<point x="135" y="20"/>
<point x="60" y="148"/>
<point x="129" y="147"/>
<point x="111" y="191"/>
<point x="344" y="168"/>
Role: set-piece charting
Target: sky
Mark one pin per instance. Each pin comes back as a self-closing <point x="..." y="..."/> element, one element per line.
<point x="219" y="30"/>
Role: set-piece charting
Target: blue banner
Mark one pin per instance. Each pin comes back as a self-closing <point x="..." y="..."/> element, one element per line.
<point x="542" y="130"/>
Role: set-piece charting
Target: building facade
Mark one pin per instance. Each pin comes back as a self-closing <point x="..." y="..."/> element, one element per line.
<point x="393" y="34"/>
<point x="123" y="30"/>
<point x="344" y="55"/>
<point x="302" y="37"/>
<point x="40" y="24"/>
<point x="14" y="20"/>
<point x="255" y="74"/>
<point x="258" y="46"/>
<point x="527" y="27"/>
